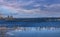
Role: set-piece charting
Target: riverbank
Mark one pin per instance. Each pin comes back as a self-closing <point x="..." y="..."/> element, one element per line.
<point x="47" y="19"/>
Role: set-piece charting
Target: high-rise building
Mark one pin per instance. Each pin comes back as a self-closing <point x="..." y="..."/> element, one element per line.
<point x="9" y="18"/>
<point x="1" y="16"/>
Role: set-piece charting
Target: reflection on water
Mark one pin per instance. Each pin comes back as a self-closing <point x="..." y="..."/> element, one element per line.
<point x="34" y="32"/>
<point x="30" y="29"/>
<point x="34" y="28"/>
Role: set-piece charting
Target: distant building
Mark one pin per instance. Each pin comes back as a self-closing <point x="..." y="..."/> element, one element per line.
<point x="9" y="18"/>
<point x="1" y="16"/>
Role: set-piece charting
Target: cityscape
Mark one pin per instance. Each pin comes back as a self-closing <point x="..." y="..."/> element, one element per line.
<point x="29" y="18"/>
<point x="9" y="24"/>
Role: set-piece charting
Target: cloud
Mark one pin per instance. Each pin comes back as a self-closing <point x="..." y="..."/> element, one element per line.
<point x="52" y="8"/>
<point x="30" y="8"/>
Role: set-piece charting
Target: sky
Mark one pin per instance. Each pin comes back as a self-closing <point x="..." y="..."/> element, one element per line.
<point x="30" y="8"/>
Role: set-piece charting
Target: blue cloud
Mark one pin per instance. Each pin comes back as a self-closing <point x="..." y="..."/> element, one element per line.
<point x="32" y="8"/>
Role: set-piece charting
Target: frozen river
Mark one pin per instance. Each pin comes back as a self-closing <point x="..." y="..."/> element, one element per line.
<point x="32" y="32"/>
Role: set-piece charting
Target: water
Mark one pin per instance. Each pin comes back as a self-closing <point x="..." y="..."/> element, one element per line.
<point x="30" y="24"/>
<point x="32" y="33"/>
<point x="35" y="33"/>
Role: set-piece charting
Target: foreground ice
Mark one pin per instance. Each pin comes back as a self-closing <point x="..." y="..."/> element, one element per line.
<point x="35" y="32"/>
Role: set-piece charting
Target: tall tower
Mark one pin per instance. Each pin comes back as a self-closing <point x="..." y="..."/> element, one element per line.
<point x="1" y="15"/>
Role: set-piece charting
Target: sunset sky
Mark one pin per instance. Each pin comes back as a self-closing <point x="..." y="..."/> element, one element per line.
<point x="30" y="8"/>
